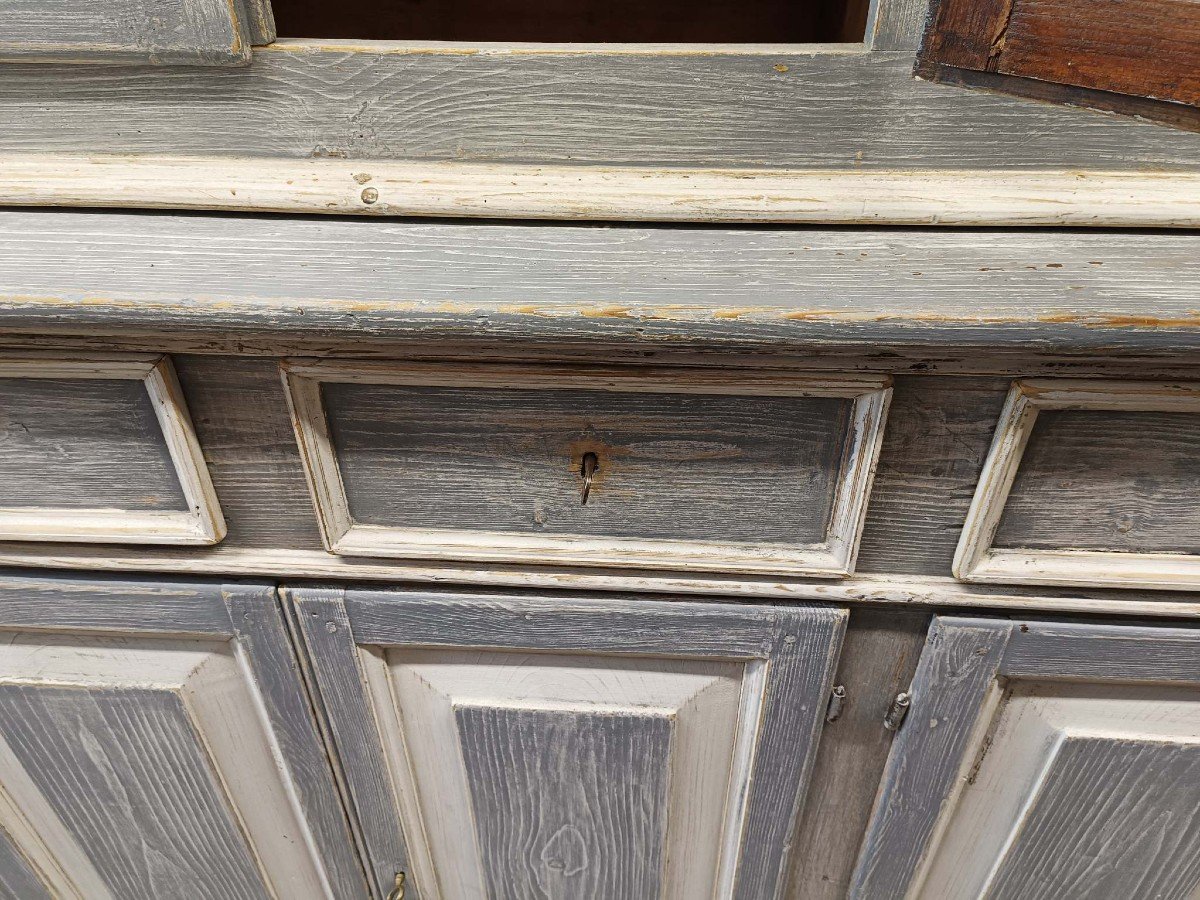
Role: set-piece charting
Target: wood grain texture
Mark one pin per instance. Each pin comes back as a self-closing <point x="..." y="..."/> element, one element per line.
<point x="1107" y="480"/>
<point x="128" y="776"/>
<point x="176" y="32"/>
<point x="1138" y="837"/>
<point x="723" y="288"/>
<point x="1107" y="45"/>
<point x="800" y="644"/>
<point x="568" y="804"/>
<point x="80" y="444"/>
<point x="954" y="679"/>
<point x="712" y="111"/>
<point x="1089" y="652"/>
<point x="682" y="467"/>
<point x="878" y="658"/>
<point x="266" y="647"/>
<point x="896" y="24"/>
<point x="18" y="880"/>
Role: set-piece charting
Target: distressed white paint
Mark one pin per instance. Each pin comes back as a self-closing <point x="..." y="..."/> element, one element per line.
<point x="632" y="193"/>
<point x="201" y="523"/>
<point x="414" y="694"/>
<point x="977" y="560"/>
<point x="342" y="535"/>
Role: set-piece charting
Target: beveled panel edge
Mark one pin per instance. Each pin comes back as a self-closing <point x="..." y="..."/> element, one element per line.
<point x="870" y="393"/>
<point x="202" y="524"/>
<point x="976" y="560"/>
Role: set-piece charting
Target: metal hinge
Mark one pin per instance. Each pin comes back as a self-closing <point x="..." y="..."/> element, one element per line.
<point x="837" y="699"/>
<point x="899" y="709"/>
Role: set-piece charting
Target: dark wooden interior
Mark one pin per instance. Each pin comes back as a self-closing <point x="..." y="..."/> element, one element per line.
<point x="601" y="21"/>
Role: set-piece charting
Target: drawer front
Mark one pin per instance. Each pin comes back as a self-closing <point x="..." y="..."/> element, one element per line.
<point x="591" y="467"/>
<point x="100" y="450"/>
<point x="1090" y="483"/>
<point x="513" y="747"/>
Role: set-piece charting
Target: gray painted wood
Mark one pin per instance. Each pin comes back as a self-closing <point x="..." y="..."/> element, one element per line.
<point x="878" y="658"/>
<point x="842" y="110"/>
<point x="83" y="444"/>
<point x="73" y="602"/>
<point x="18" y="881"/>
<point x="1112" y="818"/>
<point x="412" y="283"/>
<point x="799" y="643"/>
<point x="329" y="653"/>
<point x="568" y="805"/>
<point x="670" y="466"/>
<point x="262" y="636"/>
<point x="896" y="24"/>
<point x="155" y="32"/>
<point x="260" y="21"/>
<point x="1103" y="480"/>
<point x="956" y="672"/>
<point x="126" y="773"/>
<point x="1089" y="652"/>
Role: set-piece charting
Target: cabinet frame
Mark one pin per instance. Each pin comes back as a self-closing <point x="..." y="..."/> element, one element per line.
<point x="794" y="647"/>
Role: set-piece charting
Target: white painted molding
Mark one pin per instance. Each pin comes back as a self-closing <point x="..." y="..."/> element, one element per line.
<point x="201" y="523"/>
<point x="977" y="560"/>
<point x="341" y="535"/>
<point x="589" y="192"/>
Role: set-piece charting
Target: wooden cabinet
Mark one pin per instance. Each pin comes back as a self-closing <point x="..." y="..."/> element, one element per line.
<point x="1043" y="760"/>
<point x="156" y="742"/>
<point x="512" y="747"/>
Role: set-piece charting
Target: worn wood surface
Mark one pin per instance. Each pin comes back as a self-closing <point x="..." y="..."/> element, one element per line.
<point x="1107" y="480"/>
<point x="175" y="32"/>
<point x="75" y="444"/>
<point x="843" y="110"/>
<point x="669" y="466"/>
<point x="896" y="24"/>
<point x="414" y="283"/>
<point x="1087" y="652"/>
<point x="567" y="804"/>
<point x="1138" y="837"/>
<point x="153" y="819"/>
<point x="800" y="643"/>
<point x="954" y="680"/>
<point x="879" y="656"/>
<point x="18" y="880"/>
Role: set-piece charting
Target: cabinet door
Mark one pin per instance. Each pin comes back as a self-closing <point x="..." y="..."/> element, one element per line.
<point x="1043" y="760"/>
<point x="510" y="747"/>
<point x="156" y="742"/>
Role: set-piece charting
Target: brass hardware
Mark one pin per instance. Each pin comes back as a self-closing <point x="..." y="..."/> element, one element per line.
<point x="837" y="700"/>
<point x="895" y="716"/>
<point x="397" y="893"/>
<point x="589" y="468"/>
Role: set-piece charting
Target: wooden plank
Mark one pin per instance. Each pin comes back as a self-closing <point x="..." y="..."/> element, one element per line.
<point x="174" y="32"/>
<point x="896" y="24"/>
<point x="71" y="602"/>
<point x="265" y="646"/>
<point x="964" y="34"/>
<point x="79" y="444"/>
<point x="878" y="658"/>
<point x="725" y="288"/>
<point x="329" y="653"/>
<point x="1092" y="652"/>
<point x="698" y="109"/>
<point x="127" y="775"/>
<point x="1107" y="480"/>
<point x="1107" y="45"/>
<point x="954" y="680"/>
<point x="260" y="21"/>
<point x="1138" y="837"/>
<point x="567" y="804"/>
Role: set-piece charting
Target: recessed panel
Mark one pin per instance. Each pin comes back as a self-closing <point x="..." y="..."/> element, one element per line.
<point x="568" y="803"/>
<point x="1107" y="480"/>
<point x="750" y="472"/>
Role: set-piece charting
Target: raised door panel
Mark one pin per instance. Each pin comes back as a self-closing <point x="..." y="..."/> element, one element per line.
<point x="1045" y="762"/>
<point x="509" y="748"/>
<point x="151" y="764"/>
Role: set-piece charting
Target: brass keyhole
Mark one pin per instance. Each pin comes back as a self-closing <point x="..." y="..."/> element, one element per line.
<point x="588" y="470"/>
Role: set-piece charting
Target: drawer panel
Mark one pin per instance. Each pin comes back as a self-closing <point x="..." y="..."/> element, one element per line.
<point x="745" y="472"/>
<point x="1094" y="483"/>
<point x="100" y="449"/>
